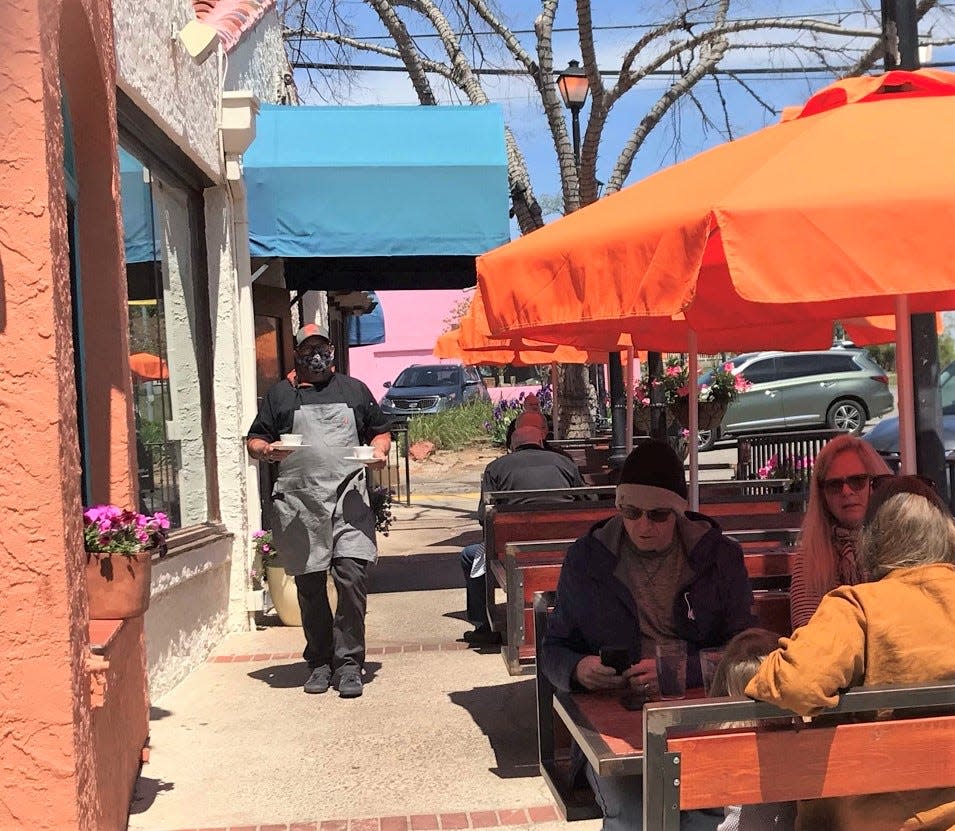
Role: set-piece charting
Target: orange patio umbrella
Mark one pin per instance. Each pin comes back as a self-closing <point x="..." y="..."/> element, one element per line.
<point x="148" y="367"/>
<point x="513" y="351"/>
<point x="844" y="209"/>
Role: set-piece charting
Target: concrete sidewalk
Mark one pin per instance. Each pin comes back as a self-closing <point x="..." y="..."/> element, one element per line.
<point x="442" y="738"/>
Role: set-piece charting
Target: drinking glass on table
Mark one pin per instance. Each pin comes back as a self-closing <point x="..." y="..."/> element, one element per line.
<point x="710" y="658"/>
<point x="671" y="669"/>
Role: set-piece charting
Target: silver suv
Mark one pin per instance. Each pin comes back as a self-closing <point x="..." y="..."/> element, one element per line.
<point x="433" y="388"/>
<point x="837" y="388"/>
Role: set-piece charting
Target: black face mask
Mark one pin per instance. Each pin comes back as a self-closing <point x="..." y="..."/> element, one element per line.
<point x="318" y="361"/>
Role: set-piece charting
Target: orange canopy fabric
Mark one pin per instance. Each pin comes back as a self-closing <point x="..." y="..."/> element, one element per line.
<point x="514" y="351"/>
<point x="148" y="367"/>
<point x="760" y="242"/>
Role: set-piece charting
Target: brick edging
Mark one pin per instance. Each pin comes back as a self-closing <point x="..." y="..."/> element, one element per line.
<point x="431" y="646"/>
<point x="451" y="821"/>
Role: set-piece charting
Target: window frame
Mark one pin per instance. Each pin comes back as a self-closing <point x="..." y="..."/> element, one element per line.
<point x="140" y="136"/>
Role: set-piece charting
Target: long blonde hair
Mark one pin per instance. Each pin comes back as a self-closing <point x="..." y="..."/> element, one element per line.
<point x="815" y="538"/>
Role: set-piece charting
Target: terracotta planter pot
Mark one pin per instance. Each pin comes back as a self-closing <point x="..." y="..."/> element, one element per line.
<point x="118" y="584"/>
<point x="285" y="596"/>
<point x="710" y="413"/>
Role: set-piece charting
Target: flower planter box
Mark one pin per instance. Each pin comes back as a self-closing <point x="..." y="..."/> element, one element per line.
<point x="118" y="584"/>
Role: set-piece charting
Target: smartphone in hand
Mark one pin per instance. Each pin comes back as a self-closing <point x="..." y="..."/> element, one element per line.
<point x="617" y="657"/>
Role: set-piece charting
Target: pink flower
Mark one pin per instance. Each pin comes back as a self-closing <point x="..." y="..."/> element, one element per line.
<point x="728" y="366"/>
<point x="645" y="402"/>
<point x="674" y="371"/>
<point x="257" y="534"/>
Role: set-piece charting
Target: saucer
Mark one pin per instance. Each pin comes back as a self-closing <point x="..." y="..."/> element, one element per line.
<point x="360" y="461"/>
<point x="279" y="446"/>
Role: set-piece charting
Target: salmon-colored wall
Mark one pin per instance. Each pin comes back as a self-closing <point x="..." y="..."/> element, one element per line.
<point x="120" y="727"/>
<point x="47" y="757"/>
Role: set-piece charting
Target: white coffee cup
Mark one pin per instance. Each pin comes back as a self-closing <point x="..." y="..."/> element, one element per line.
<point x="291" y="439"/>
<point x="364" y="451"/>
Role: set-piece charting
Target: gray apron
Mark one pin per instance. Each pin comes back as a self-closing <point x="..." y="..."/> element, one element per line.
<point x="320" y="504"/>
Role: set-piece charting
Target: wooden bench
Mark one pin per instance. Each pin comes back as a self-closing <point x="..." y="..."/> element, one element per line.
<point x="506" y="521"/>
<point x="532" y="567"/>
<point x="733" y="766"/>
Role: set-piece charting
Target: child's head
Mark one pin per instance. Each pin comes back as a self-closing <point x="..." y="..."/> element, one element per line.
<point x="742" y="658"/>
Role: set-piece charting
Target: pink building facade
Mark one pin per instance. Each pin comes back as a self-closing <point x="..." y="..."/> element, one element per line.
<point x="413" y="321"/>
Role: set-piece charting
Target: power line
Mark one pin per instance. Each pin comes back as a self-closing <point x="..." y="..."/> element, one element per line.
<point x="299" y="35"/>
<point x="663" y="73"/>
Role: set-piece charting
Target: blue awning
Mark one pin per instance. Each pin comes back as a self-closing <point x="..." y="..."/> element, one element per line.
<point x="137" y="207"/>
<point x="369" y="328"/>
<point x="353" y="193"/>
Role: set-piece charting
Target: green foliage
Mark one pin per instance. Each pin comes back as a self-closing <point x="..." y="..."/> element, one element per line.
<point x="946" y="350"/>
<point x="452" y="429"/>
<point x="884" y="354"/>
<point x="504" y="412"/>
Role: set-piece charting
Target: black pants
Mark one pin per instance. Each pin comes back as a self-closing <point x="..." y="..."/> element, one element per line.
<point x="339" y="641"/>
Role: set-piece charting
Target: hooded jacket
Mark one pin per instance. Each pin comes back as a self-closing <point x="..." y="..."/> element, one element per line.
<point x="594" y="608"/>
<point x="894" y="631"/>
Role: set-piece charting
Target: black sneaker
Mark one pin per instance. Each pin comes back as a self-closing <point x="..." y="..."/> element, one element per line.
<point x="319" y="680"/>
<point x="482" y="636"/>
<point x="349" y="685"/>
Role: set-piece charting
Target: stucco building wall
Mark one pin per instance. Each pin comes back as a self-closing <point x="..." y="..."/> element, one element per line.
<point x="259" y="63"/>
<point x="50" y="774"/>
<point x="166" y="84"/>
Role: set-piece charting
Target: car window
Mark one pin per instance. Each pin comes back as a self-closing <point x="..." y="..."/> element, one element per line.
<point x="429" y="376"/>
<point x="802" y="366"/>
<point x="759" y="372"/>
<point x="947" y="388"/>
<point x="471" y="375"/>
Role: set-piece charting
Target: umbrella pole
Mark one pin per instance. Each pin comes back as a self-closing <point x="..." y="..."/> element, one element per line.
<point x="553" y="400"/>
<point x="693" y="438"/>
<point x="628" y="441"/>
<point x="904" y="378"/>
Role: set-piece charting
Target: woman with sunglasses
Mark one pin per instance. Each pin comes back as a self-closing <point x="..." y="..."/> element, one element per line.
<point x="895" y="630"/>
<point x="838" y="496"/>
<point x="651" y="574"/>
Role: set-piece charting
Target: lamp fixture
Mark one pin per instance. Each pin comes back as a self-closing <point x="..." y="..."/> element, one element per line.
<point x="199" y="40"/>
<point x="573" y="85"/>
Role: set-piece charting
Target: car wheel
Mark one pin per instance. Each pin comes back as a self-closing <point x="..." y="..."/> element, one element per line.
<point x="846" y="415"/>
<point x="706" y="439"/>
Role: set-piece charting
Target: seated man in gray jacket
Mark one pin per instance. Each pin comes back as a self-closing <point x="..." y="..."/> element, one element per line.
<point x="527" y="467"/>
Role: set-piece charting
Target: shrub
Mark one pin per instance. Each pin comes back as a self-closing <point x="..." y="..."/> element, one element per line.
<point x="452" y="429"/>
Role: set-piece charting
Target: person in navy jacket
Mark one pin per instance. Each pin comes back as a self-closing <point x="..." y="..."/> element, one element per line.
<point x="653" y="573"/>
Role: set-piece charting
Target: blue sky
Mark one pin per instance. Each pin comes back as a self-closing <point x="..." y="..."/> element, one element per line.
<point x="682" y="131"/>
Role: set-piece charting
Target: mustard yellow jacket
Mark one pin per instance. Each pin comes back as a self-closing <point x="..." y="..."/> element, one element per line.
<point x="898" y="630"/>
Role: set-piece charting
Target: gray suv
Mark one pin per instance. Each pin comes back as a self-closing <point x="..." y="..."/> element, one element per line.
<point x="837" y="388"/>
<point x="432" y="388"/>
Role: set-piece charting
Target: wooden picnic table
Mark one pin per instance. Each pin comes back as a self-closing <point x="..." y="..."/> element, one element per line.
<point x="610" y="735"/>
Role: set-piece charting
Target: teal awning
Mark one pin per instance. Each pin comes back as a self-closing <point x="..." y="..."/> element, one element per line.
<point x="367" y="196"/>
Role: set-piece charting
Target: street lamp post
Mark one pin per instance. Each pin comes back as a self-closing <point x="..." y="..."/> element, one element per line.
<point x="574" y="88"/>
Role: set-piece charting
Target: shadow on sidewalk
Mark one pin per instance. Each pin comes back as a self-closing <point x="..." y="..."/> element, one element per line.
<point x="146" y="792"/>
<point x="288" y="676"/>
<point x="507" y="715"/>
<point x="416" y="572"/>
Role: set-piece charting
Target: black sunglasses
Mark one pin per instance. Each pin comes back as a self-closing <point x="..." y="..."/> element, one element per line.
<point x="855" y="483"/>
<point x="654" y="514"/>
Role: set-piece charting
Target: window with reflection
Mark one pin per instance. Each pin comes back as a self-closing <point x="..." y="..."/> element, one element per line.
<point x="160" y="260"/>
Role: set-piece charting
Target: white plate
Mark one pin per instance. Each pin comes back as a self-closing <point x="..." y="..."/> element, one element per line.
<point x="279" y="446"/>
<point x="360" y="461"/>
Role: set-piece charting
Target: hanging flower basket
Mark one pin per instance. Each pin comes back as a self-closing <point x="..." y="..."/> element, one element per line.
<point x="118" y="584"/>
<point x="641" y="421"/>
<point x="710" y="413"/>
